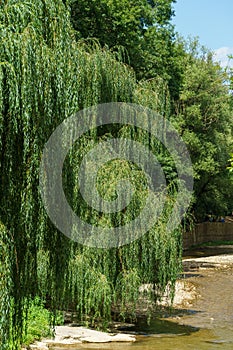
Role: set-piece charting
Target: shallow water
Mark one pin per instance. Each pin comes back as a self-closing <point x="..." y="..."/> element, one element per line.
<point x="202" y="340"/>
<point x="206" y="325"/>
<point x="168" y="335"/>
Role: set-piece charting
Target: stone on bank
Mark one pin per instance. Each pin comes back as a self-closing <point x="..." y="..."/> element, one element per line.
<point x="66" y="335"/>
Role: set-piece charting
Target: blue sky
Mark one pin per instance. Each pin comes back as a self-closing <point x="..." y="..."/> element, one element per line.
<point x="211" y="21"/>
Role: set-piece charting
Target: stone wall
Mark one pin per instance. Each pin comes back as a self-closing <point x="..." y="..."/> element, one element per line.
<point x="207" y="232"/>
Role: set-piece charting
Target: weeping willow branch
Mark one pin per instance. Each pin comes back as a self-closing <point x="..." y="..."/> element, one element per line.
<point x="46" y="76"/>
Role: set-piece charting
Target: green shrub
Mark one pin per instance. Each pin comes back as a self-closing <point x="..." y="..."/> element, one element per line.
<point x="38" y="323"/>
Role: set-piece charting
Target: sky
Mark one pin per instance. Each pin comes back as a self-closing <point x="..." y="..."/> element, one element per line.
<point x="211" y="21"/>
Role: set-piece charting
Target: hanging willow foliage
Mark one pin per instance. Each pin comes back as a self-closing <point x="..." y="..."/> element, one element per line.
<point x="6" y="257"/>
<point x="46" y="76"/>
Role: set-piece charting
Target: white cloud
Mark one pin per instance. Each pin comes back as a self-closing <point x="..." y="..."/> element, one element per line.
<point x="221" y="56"/>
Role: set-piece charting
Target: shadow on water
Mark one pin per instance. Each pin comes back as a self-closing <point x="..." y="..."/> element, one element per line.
<point x="160" y="327"/>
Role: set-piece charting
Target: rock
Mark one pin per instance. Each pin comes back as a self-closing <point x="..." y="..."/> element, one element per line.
<point x="106" y="338"/>
<point x="185" y="293"/>
<point x="86" y="335"/>
<point x="218" y="341"/>
<point x="66" y="335"/>
<point x="39" y="346"/>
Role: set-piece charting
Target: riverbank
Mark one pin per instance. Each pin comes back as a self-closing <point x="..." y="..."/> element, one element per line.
<point x="203" y="299"/>
<point x="67" y="336"/>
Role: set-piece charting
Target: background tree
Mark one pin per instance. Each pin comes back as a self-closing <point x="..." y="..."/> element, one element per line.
<point x="204" y="119"/>
<point x="143" y="28"/>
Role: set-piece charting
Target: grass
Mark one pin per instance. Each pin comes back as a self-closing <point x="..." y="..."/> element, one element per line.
<point x="39" y="322"/>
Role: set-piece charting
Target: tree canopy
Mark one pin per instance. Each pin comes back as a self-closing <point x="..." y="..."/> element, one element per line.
<point x="52" y="67"/>
<point x="143" y="28"/>
<point x="204" y="119"/>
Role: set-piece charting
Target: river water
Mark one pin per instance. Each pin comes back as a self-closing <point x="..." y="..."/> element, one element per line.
<point x="205" y="325"/>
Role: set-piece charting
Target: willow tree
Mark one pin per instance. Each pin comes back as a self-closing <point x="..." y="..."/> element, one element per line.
<point x="46" y="76"/>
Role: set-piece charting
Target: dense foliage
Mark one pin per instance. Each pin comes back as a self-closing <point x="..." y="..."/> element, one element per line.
<point x="201" y="106"/>
<point x="47" y="73"/>
<point x="203" y="116"/>
<point x="45" y="77"/>
<point x="143" y="28"/>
